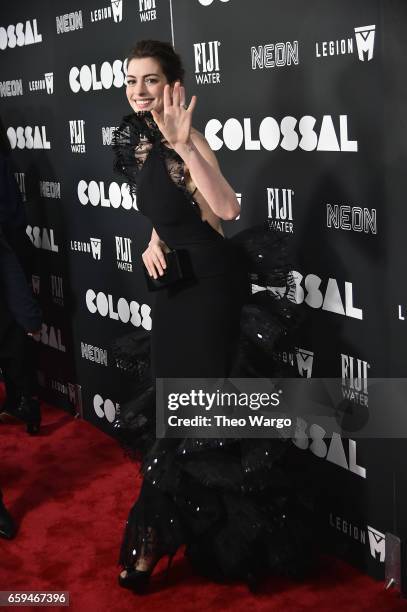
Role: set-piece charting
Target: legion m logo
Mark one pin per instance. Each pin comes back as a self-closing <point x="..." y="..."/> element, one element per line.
<point x="117" y="10"/>
<point x="365" y="36"/>
<point x="96" y="246"/>
<point x="377" y="542"/>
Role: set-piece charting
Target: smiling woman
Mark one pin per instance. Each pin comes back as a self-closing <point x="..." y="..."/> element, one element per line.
<point x="192" y="488"/>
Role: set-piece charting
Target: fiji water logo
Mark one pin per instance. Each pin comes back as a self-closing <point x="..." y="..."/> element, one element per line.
<point x="147" y="10"/>
<point x="206" y="55"/>
<point x="280" y="209"/>
<point x="77" y="135"/>
<point x="123" y="254"/>
<point x="354" y="379"/>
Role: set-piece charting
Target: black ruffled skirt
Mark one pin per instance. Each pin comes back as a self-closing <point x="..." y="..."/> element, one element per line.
<point x="241" y="507"/>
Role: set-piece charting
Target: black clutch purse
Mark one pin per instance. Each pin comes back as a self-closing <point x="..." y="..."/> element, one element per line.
<point x="172" y="273"/>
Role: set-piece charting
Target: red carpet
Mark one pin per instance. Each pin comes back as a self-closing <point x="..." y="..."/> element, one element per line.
<point x="70" y="489"/>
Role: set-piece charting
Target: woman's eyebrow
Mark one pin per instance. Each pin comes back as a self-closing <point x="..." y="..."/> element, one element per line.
<point x="146" y="75"/>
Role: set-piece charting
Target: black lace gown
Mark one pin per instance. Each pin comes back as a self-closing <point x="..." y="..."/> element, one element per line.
<point x="231" y="502"/>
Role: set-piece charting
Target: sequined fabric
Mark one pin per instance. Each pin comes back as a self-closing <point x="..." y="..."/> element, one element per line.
<point x="235" y="503"/>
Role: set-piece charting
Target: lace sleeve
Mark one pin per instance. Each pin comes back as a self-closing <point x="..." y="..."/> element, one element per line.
<point x="131" y="144"/>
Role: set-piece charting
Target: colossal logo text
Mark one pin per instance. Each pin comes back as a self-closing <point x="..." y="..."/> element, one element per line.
<point x="87" y="78"/>
<point x="314" y="295"/>
<point x="51" y="336"/>
<point x="94" y="193"/>
<point x="19" y="35"/>
<point x="312" y="437"/>
<point x="328" y="299"/>
<point x="105" y="408"/>
<point x="24" y="138"/>
<point x="42" y="238"/>
<point x="290" y="134"/>
<point x="126" y="312"/>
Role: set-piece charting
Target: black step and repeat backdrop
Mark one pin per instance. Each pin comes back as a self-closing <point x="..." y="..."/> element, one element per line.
<point x="304" y="104"/>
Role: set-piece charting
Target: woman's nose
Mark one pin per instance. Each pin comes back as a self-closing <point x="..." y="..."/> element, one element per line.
<point x="139" y="89"/>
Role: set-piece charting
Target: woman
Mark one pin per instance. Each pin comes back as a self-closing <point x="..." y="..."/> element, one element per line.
<point x="228" y="501"/>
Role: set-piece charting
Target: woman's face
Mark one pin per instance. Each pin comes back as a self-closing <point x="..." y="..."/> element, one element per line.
<point x="145" y="84"/>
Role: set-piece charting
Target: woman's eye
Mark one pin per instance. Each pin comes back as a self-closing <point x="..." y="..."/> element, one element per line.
<point x="130" y="82"/>
<point x="151" y="80"/>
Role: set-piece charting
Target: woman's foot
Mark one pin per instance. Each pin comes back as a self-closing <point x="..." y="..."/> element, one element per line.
<point x="138" y="576"/>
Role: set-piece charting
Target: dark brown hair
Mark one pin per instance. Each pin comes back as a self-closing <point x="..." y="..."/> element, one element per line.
<point x="163" y="52"/>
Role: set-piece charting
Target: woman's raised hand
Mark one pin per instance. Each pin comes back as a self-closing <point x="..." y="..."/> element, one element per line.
<point x="176" y="119"/>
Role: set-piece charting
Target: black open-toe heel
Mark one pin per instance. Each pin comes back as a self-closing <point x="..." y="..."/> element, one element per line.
<point x="150" y="550"/>
<point x="138" y="580"/>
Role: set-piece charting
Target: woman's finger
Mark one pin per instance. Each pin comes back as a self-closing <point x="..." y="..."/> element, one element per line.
<point x="157" y="264"/>
<point x="182" y="95"/>
<point x="148" y="268"/>
<point x="160" y="256"/>
<point x="176" y="94"/>
<point x="167" y="97"/>
<point x="192" y="104"/>
<point x="148" y="263"/>
<point x="156" y="118"/>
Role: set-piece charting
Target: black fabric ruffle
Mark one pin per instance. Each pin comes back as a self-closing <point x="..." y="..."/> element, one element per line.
<point x="241" y="505"/>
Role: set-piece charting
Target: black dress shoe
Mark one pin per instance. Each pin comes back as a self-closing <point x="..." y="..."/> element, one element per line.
<point x="7" y="527"/>
<point x="28" y="410"/>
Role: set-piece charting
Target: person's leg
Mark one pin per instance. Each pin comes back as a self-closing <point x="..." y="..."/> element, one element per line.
<point x="153" y="530"/>
<point x="7" y="526"/>
<point x="19" y="376"/>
